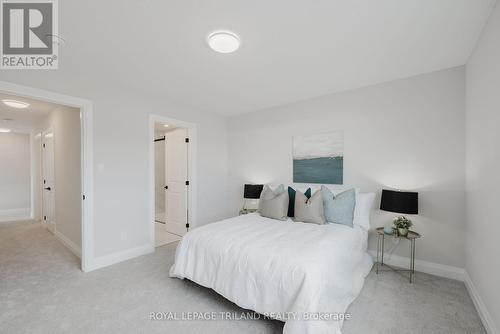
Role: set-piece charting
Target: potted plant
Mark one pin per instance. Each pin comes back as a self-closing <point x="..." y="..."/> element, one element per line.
<point x="402" y="224"/>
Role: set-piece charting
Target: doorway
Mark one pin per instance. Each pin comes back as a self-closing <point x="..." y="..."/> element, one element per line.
<point x="81" y="235"/>
<point x="171" y="183"/>
<point x="173" y="179"/>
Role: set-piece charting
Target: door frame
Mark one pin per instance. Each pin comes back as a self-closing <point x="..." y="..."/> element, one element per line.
<point x="87" y="157"/>
<point x="192" y="204"/>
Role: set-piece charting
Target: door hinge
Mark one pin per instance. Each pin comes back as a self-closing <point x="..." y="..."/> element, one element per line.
<point x="187" y="226"/>
<point x="187" y="183"/>
<point x="44" y="217"/>
<point x="84" y="197"/>
<point x="43" y="145"/>
<point x="44" y="181"/>
<point x="187" y="140"/>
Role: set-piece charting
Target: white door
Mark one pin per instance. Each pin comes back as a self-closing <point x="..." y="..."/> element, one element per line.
<point x="175" y="179"/>
<point x="48" y="181"/>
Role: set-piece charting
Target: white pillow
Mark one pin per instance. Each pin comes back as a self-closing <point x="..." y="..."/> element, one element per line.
<point x="364" y="203"/>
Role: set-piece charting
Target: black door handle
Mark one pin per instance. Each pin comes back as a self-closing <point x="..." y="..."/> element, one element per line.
<point x="166" y="187"/>
<point x="48" y="188"/>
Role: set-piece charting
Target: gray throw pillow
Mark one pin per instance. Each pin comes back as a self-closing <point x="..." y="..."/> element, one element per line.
<point x="274" y="203"/>
<point x="339" y="208"/>
<point x="309" y="210"/>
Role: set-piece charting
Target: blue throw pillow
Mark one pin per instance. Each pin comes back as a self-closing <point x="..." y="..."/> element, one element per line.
<point x="291" y="202"/>
<point x="339" y="209"/>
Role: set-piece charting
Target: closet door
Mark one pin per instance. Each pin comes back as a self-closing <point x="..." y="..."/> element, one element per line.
<point x="176" y="177"/>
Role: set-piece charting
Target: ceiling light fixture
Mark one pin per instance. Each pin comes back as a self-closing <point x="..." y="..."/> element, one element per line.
<point x="165" y="125"/>
<point x="16" y="104"/>
<point x="4" y="130"/>
<point x="224" y="41"/>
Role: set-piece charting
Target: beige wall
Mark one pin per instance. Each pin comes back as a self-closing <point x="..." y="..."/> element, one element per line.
<point x="407" y="134"/>
<point x="483" y="168"/>
<point x="15" y="173"/>
<point x="65" y="122"/>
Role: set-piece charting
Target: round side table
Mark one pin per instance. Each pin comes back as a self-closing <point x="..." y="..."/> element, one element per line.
<point x="412" y="237"/>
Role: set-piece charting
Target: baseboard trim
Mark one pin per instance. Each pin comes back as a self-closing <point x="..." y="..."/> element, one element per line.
<point x="68" y="243"/>
<point x="432" y="268"/>
<point x="12" y="215"/>
<point x="484" y="314"/>
<point x="107" y="260"/>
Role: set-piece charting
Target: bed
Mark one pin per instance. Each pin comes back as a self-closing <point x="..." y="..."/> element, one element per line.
<point x="303" y="274"/>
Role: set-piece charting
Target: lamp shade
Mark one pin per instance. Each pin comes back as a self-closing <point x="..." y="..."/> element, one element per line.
<point x="399" y="201"/>
<point x="252" y="191"/>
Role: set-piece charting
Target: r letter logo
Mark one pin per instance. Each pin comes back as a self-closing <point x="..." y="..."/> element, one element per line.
<point x="28" y="33"/>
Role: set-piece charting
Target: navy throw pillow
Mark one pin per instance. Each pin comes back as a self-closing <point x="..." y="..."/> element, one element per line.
<point x="291" y="202"/>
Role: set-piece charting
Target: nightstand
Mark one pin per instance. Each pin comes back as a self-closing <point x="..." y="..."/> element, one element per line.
<point x="246" y="211"/>
<point x="412" y="236"/>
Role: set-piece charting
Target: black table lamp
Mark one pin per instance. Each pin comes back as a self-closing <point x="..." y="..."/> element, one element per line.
<point x="405" y="202"/>
<point x="251" y="192"/>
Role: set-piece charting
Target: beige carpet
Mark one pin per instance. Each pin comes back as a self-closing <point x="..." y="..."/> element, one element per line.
<point x="42" y="290"/>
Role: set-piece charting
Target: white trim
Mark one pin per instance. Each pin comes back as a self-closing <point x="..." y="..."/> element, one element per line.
<point x="86" y="109"/>
<point x="107" y="260"/>
<point x="192" y="171"/>
<point x="68" y="243"/>
<point x="12" y="215"/>
<point x="432" y="268"/>
<point x="484" y="314"/>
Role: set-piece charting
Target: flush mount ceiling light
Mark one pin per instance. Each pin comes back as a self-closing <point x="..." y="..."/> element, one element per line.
<point x="4" y="130"/>
<point x="224" y="41"/>
<point x="16" y="104"/>
<point x="165" y="125"/>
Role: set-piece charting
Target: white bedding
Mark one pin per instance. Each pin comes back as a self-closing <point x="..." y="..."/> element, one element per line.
<point x="276" y="268"/>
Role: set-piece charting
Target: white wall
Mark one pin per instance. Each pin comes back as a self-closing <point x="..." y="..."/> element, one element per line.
<point x="121" y="156"/>
<point x="407" y="134"/>
<point x="65" y="122"/>
<point x="15" y="175"/>
<point x="483" y="166"/>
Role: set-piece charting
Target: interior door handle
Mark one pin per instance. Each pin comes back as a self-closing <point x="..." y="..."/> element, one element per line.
<point x="48" y="188"/>
<point x="166" y="187"/>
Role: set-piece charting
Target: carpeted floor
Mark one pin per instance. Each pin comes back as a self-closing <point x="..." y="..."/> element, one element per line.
<point x="162" y="237"/>
<point x="42" y="290"/>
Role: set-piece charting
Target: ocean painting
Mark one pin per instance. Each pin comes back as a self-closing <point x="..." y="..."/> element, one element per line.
<point x="319" y="158"/>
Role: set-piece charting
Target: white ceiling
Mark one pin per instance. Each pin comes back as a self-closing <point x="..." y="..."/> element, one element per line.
<point x="23" y="119"/>
<point x="291" y="50"/>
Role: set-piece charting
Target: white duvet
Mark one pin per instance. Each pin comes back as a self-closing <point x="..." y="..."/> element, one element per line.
<point x="303" y="274"/>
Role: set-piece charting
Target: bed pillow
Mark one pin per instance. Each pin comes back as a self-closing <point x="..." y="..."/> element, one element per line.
<point x="291" y="200"/>
<point x="309" y="210"/>
<point x="274" y="203"/>
<point x="364" y="204"/>
<point x="339" y="209"/>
